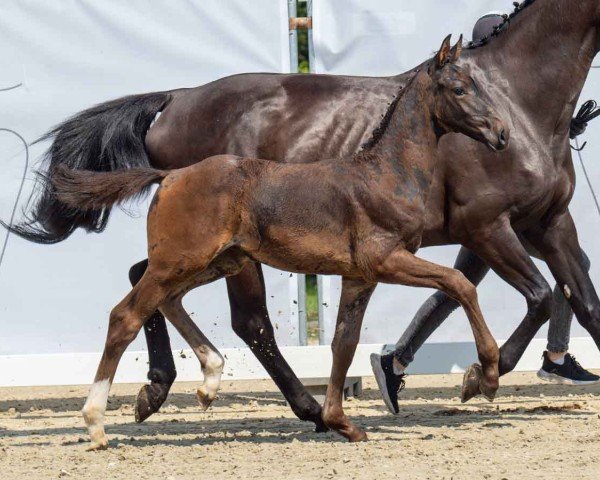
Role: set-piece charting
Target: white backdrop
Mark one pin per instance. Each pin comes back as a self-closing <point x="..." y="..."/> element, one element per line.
<point x="387" y="37"/>
<point x="70" y="55"/>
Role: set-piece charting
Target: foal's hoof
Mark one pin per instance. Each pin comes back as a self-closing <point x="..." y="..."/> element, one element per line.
<point x="98" y="445"/>
<point x="488" y="391"/>
<point x="474" y="383"/>
<point x="357" y="436"/>
<point x="471" y="380"/>
<point x="204" y="399"/>
<point x="149" y="400"/>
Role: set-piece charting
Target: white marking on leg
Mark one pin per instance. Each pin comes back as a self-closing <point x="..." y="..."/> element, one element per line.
<point x="567" y="292"/>
<point x="212" y="370"/>
<point x="93" y="413"/>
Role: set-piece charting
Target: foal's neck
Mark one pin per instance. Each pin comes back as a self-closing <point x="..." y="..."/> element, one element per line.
<point x="409" y="138"/>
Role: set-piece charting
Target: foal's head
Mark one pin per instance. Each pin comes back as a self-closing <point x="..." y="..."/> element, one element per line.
<point x="460" y="104"/>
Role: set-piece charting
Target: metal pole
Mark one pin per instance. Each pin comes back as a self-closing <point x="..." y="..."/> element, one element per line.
<point x="302" y="325"/>
<point x="292" y="12"/>
<point x="311" y="48"/>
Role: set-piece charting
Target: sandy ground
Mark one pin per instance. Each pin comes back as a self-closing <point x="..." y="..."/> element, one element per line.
<point x="532" y="431"/>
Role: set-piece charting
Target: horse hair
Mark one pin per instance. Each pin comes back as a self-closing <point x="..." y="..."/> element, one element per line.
<point x="106" y="137"/>
<point x="385" y="121"/>
<point x="88" y="190"/>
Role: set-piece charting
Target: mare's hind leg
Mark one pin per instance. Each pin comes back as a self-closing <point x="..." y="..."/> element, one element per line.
<point x="210" y="359"/>
<point x="161" y="372"/>
<point x="404" y="268"/>
<point x="250" y="321"/>
<point x="126" y="320"/>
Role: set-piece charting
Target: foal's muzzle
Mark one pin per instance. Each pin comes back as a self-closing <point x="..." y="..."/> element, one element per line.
<point x="498" y="136"/>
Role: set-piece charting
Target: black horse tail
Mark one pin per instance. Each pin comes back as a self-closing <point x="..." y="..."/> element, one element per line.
<point x="104" y="138"/>
<point x="86" y="190"/>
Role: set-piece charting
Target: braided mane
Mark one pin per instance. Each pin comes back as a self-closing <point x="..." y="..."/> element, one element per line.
<point x="519" y="7"/>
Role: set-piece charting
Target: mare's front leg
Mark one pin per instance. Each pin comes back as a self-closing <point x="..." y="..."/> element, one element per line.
<point x="211" y="361"/>
<point x="402" y="267"/>
<point x="250" y="321"/>
<point x="126" y="320"/>
<point x="559" y="244"/>
<point x="354" y="299"/>
<point x="161" y="372"/>
<point x="501" y="249"/>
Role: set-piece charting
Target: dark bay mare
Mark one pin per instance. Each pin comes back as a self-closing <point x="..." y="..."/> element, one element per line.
<point x="538" y="63"/>
<point x="365" y="223"/>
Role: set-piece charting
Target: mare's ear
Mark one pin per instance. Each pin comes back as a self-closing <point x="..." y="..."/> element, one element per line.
<point x="456" y="50"/>
<point x="443" y="55"/>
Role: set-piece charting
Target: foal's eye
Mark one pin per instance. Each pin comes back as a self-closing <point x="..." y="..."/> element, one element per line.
<point x="459" y="91"/>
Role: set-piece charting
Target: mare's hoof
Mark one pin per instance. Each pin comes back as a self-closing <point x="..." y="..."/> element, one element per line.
<point x="149" y="400"/>
<point x="320" y="426"/>
<point x="204" y="399"/>
<point x="471" y="381"/>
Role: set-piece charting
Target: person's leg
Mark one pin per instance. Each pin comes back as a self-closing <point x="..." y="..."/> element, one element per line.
<point x="559" y="366"/>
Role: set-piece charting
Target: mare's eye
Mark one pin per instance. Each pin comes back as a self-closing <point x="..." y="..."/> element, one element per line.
<point x="459" y="91"/>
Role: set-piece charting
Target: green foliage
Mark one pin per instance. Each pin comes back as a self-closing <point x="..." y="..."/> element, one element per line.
<point x="303" y="63"/>
<point x="312" y="309"/>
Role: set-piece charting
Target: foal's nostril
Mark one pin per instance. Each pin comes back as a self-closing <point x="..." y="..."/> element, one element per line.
<point x="502" y="139"/>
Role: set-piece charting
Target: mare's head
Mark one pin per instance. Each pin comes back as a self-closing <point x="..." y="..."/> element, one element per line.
<point x="460" y="104"/>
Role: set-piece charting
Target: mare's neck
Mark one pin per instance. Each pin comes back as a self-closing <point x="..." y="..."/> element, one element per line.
<point x="410" y="138"/>
<point x="543" y="58"/>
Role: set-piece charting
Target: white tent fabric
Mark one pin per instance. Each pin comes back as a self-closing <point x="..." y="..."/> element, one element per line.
<point x="387" y="37"/>
<point x="70" y="55"/>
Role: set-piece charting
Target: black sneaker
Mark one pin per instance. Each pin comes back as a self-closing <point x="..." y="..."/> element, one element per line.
<point x="569" y="373"/>
<point x="390" y="384"/>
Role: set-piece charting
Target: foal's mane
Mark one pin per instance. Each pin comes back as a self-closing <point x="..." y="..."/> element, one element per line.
<point x="519" y="7"/>
<point x="385" y="121"/>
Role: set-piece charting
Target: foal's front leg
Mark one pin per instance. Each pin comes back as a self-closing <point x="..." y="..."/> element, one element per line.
<point x="355" y="296"/>
<point x="402" y="267"/>
<point x="126" y="320"/>
<point x="211" y="361"/>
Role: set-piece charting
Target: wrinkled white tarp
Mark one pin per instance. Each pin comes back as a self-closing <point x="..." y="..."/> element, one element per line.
<point x="70" y="55"/>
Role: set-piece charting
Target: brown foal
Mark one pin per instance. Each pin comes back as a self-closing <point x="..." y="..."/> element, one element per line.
<point x="360" y="217"/>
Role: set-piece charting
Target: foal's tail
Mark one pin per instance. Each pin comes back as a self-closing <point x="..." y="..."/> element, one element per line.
<point x="89" y="190"/>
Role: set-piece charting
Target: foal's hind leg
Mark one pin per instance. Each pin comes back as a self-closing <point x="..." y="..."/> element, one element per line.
<point x="404" y="268"/>
<point x="210" y="359"/>
<point x="125" y="322"/>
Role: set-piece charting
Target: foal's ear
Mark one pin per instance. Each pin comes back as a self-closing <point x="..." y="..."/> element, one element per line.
<point x="443" y="55"/>
<point x="456" y="50"/>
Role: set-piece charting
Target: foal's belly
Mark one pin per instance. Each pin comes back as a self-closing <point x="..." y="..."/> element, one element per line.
<point x="324" y="252"/>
